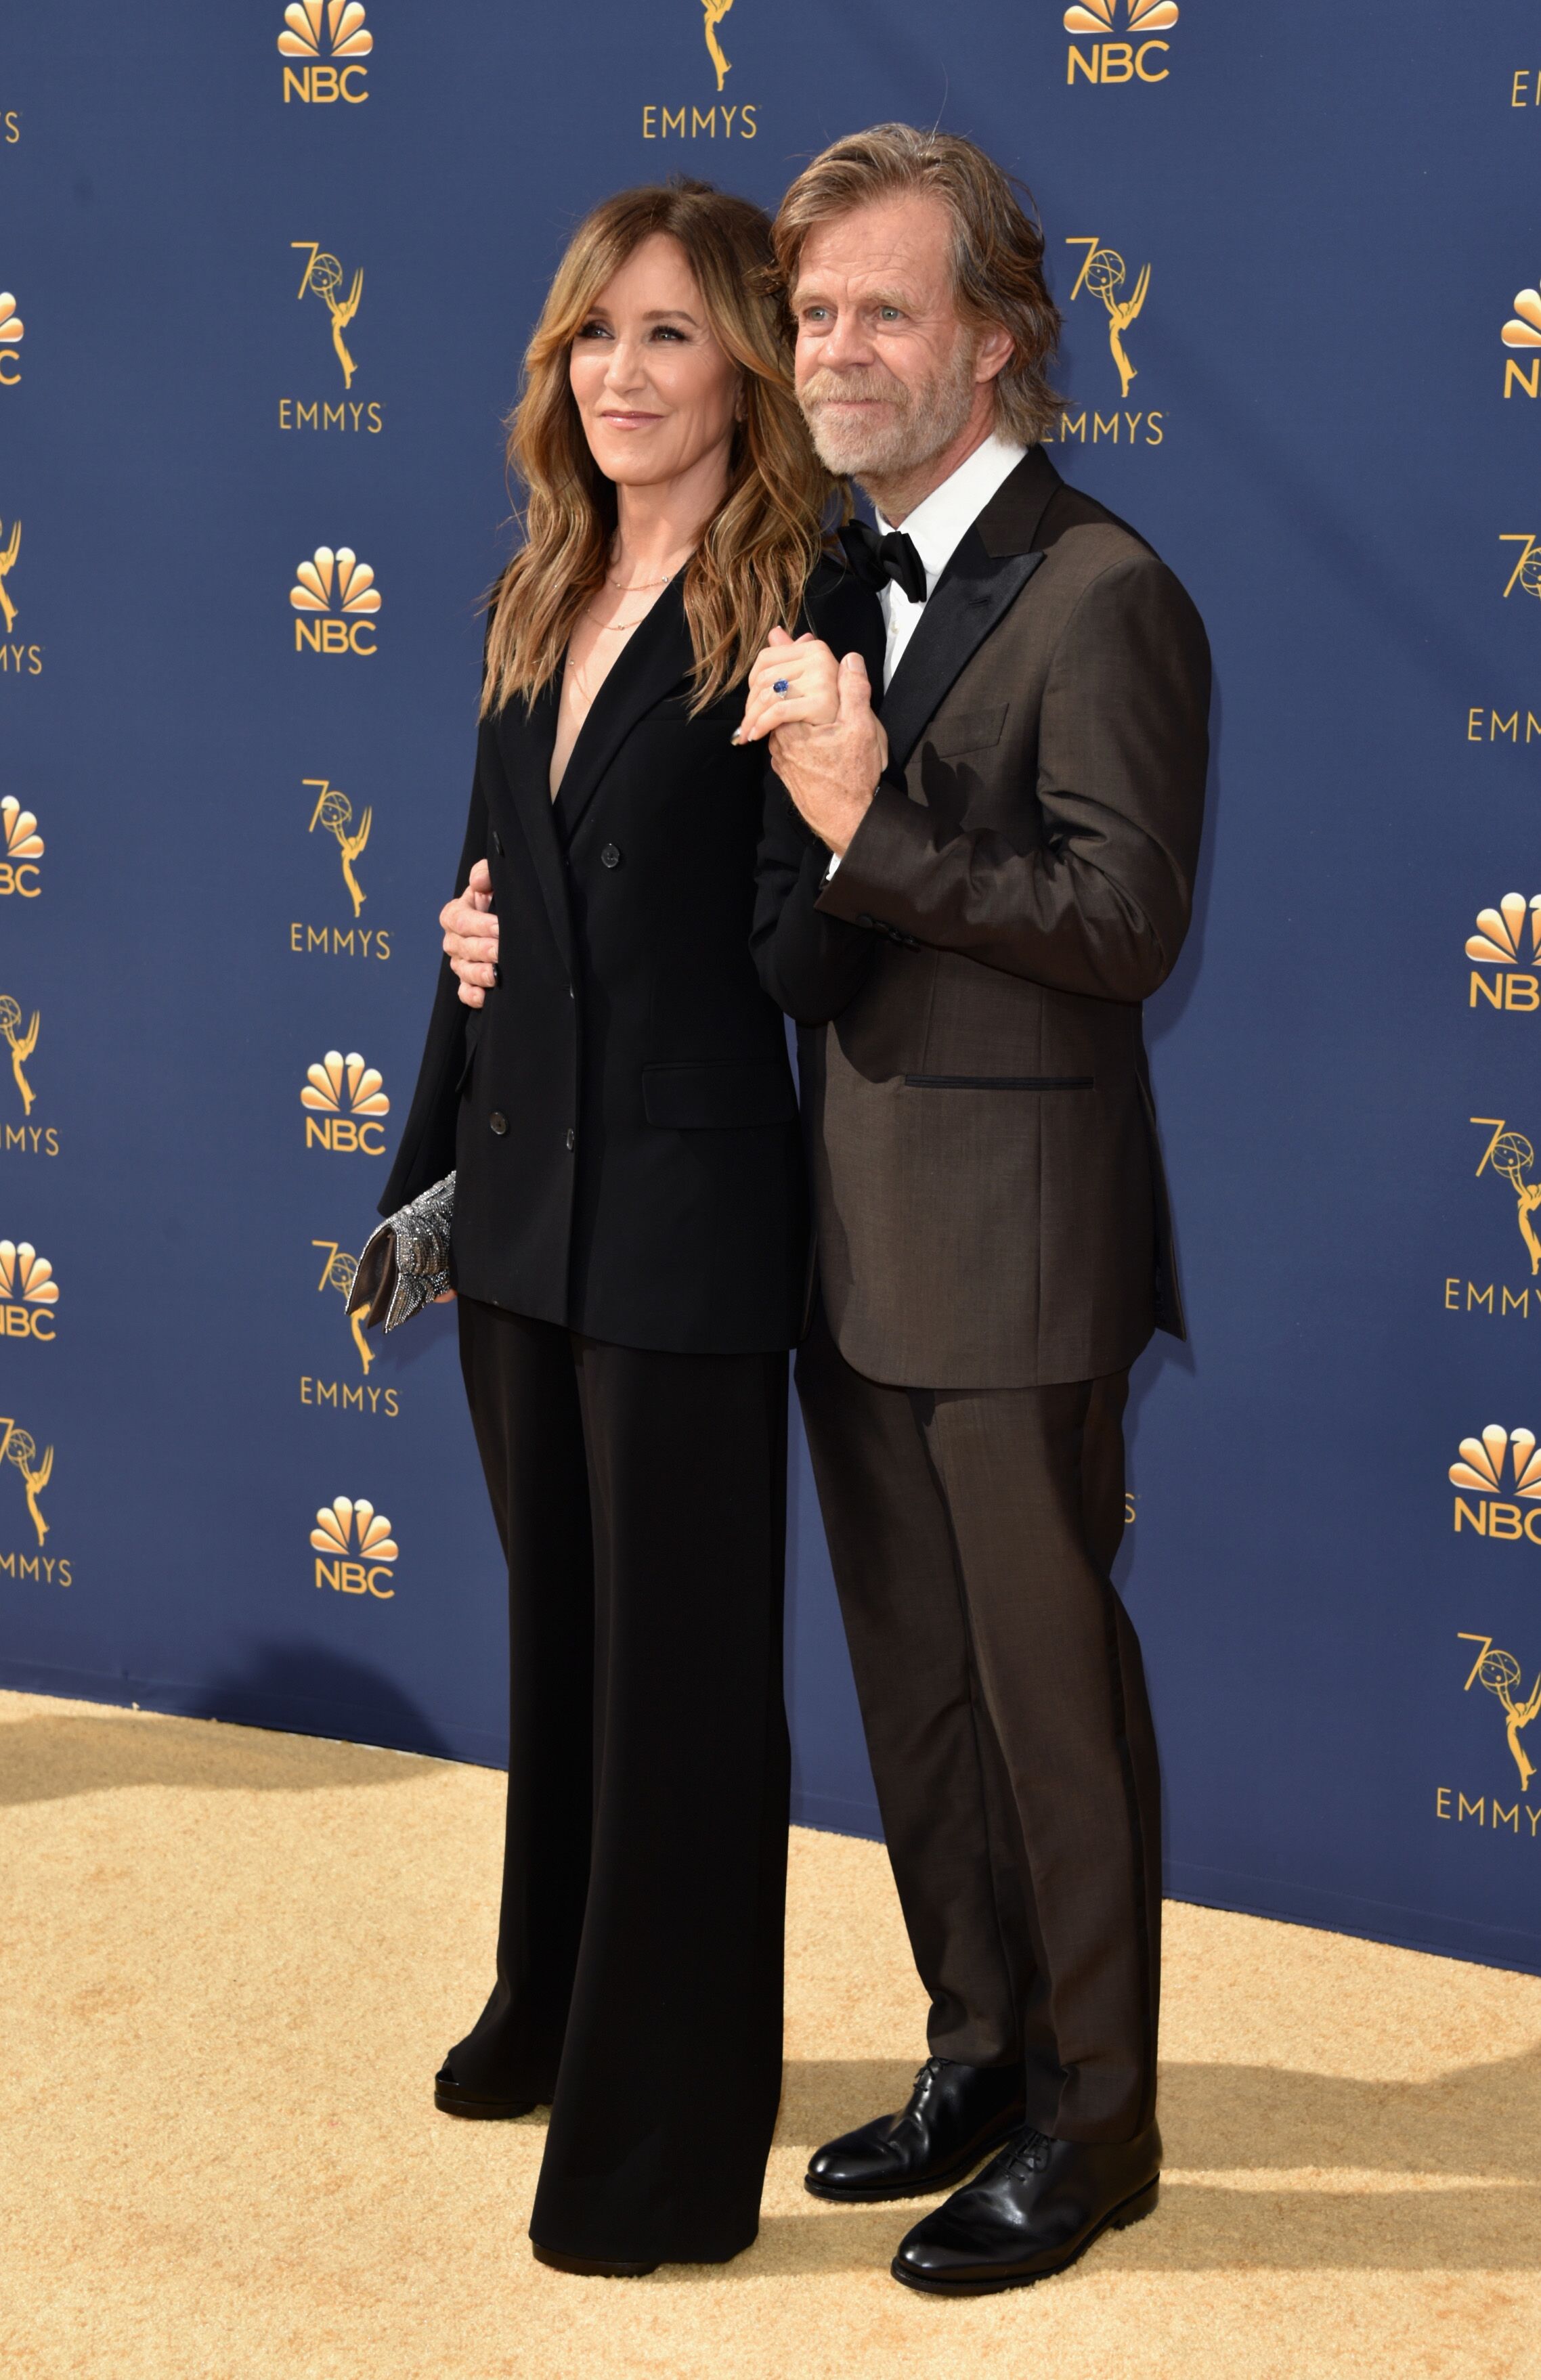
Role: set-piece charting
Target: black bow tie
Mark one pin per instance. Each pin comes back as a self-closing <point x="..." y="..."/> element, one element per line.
<point x="875" y="560"/>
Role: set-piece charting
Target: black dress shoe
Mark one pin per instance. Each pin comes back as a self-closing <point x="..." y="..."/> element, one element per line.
<point x="1035" y="2208"/>
<point x="592" y="2267"/>
<point x="456" y="2101"/>
<point x="956" y="2116"/>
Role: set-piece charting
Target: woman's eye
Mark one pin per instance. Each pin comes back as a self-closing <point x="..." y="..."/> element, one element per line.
<point x="667" y="331"/>
<point x="593" y="331"/>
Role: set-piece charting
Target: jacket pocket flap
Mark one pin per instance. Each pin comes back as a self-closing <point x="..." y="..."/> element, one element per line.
<point x="692" y="1098"/>
<point x="967" y="731"/>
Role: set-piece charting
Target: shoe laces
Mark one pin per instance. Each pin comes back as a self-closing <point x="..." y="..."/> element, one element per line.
<point x="1030" y="2153"/>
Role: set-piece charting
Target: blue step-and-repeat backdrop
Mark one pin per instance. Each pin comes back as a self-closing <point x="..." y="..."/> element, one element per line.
<point x="268" y="273"/>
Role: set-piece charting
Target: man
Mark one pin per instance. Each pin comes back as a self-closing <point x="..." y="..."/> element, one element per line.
<point x="964" y="910"/>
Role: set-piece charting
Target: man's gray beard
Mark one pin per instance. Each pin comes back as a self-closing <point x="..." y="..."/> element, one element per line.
<point x="924" y="421"/>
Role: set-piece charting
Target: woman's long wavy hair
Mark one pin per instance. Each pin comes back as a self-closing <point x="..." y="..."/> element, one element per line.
<point x="748" y="572"/>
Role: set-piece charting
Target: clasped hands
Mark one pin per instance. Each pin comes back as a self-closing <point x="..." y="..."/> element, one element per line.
<point x="827" y="743"/>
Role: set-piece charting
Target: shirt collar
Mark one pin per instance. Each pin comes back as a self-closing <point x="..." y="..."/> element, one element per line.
<point x="939" y="523"/>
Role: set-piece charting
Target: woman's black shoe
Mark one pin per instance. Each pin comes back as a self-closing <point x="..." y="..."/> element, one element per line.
<point x="592" y="2267"/>
<point x="956" y="2115"/>
<point x="456" y="2101"/>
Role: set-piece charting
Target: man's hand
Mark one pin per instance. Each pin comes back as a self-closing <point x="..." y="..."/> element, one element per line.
<point x="827" y="743"/>
<point x="472" y="936"/>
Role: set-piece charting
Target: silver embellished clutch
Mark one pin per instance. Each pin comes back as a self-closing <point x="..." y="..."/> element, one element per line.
<point x="406" y="1263"/>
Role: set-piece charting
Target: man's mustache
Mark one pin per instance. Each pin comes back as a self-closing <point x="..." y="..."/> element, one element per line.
<point x="862" y="381"/>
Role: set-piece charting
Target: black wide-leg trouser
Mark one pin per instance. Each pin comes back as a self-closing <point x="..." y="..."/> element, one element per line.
<point x="641" y="1500"/>
<point x="1003" y="1696"/>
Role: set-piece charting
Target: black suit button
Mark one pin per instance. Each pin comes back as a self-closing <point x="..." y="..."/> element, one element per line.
<point x="572" y="1137"/>
<point x="864" y="920"/>
<point x="497" y="1122"/>
<point x="609" y="857"/>
<point x="497" y="845"/>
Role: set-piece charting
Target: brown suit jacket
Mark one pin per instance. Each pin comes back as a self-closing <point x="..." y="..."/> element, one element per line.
<point x="990" y="1204"/>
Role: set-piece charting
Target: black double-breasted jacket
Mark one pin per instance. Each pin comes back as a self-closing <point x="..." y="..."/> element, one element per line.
<point x="621" y="1114"/>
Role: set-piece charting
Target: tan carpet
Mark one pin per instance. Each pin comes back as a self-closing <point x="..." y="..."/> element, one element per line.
<point x="232" y="1960"/>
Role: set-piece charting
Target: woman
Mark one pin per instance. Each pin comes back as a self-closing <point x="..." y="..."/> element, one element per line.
<point x="630" y="1241"/>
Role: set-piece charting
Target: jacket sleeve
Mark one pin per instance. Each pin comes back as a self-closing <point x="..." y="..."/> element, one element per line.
<point x="812" y="963"/>
<point x="1101" y="905"/>
<point x="426" y="1150"/>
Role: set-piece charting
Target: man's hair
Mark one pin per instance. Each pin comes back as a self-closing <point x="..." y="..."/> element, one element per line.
<point x="997" y="246"/>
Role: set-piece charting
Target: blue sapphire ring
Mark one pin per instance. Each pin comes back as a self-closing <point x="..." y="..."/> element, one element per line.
<point x="780" y="686"/>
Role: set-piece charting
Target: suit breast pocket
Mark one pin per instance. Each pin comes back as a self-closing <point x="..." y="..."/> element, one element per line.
<point x="1001" y="1082"/>
<point x="968" y="730"/>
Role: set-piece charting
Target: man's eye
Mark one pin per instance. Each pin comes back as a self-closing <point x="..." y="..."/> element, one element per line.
<point x="890" y="314"/>
<point x="816" y="313"/>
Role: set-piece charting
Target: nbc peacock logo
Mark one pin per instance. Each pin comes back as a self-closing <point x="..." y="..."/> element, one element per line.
<point x="1502" y="1470"/>
<point x="1140" y="56"/>
<point x="336" y="601"/>
<point x="354" y="1549"/>
<point x="12" y="330"/>
<point x="1521" y="336"/>
<point x="328" y="41"/>
<point x="343" y="1101"/>
<point x="21" y="847"/>
<point x="1508" y="939"/>
<point x="28" y="1293"/>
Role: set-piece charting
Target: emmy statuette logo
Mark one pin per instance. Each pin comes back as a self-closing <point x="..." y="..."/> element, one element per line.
<point x="1139" y="57"/>
<point x="339" y="1272"/>
<point x="21" y="1041"/>
<point x="21" y="847"/>
<point x="1498" y="1459"/>
<point x="330" y="39"/>
<point x="11" y="332"/>
<point x="1507" y="1157"/>
<point x="1502" y="1675"/>
<point x="18" y="1447"/>
<point x="354" y="1549"/>
<point x="335" y="812"/>
<point x="343" y="1101"/>
<point x="16" y="661"/>
<point x="336" y="598"/>
<point x="1511" y="1157"/>
<point x="28" y="1293"/>
<point x="1526" y="572"/>
<point x="686" y="122"/>
<point x="331" y="814"/>
<point x="322" y="278"/>
<point x="1105" y="277"/>
<point x="1503" y="940"/>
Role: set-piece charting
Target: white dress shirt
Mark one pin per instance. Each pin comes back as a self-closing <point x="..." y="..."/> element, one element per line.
<point x="937" y="529"/>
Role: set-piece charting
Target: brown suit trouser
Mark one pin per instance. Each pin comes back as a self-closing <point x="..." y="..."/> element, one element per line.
<point x="1003" y="1697"/>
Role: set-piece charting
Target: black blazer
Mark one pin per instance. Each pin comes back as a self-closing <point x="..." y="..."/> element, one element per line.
<point x="621" y="1114"/>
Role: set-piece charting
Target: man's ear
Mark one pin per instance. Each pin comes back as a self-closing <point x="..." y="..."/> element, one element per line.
<point x="994" y="352"/>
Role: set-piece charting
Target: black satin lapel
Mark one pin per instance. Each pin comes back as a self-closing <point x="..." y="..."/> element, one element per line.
<point x="525" y="741"/>
<point x="974" y="592"/>
<point x="657" y="656"/>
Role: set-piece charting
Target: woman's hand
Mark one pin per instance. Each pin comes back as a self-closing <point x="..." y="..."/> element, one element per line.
<point x="471" y="937"/>
<point x="810" y="674"/>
